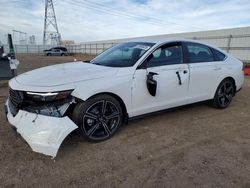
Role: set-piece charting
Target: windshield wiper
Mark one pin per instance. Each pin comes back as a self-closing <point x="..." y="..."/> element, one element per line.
<point x="96" y="63"/>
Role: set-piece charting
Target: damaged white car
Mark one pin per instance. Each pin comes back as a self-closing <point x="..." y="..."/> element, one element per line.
<point x="128" y="80"/>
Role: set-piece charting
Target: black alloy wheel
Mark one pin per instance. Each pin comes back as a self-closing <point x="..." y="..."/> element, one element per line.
<point x="99" y="117"/>
<point x="224" y="94"/>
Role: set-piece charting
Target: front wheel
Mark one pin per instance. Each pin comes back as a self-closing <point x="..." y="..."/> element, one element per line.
<point x="224" y="94"/>
<point x="99" y="117"/>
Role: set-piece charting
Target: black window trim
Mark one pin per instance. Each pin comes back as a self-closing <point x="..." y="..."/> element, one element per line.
<point x="143" y="65"/>
<point x="216" y="57"/>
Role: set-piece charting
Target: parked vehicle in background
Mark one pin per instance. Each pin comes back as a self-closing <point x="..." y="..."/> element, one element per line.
<point x="128" y="80"/>
<point x="56" y="51"/>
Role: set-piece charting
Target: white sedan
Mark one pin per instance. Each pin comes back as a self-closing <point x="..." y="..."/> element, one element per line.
<point x="128" y="80"/>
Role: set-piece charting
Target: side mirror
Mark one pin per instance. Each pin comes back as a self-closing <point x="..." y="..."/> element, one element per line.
<point x="151" y="83"/>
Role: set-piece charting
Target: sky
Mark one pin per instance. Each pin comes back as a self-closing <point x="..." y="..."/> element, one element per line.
<point x="93" y="20"/>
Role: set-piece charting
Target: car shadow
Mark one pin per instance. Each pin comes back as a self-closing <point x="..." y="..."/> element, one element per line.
<point x="169" y="111"/>
<point x="74" y="139"/>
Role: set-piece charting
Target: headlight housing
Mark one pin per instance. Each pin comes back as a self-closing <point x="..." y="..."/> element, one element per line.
<point x="48" y="96"/>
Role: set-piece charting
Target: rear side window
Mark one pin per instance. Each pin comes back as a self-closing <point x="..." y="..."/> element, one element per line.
<point x="199" y="53"/>
<point x="60" y="48"/>
<point x="219" y="56"/>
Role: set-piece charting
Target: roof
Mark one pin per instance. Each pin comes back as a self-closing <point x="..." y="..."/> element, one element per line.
<point x="165" y="40"/>
<point x="162" y="40"/>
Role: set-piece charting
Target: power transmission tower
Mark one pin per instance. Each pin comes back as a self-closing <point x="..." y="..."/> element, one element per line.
<point x="50" y="32"/>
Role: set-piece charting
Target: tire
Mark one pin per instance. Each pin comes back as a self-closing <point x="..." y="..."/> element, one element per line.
<point x="63" y="54"/>
<point x="224" y="94"/>
<point x="48" y="54"/>
<point x="99" y="117"/>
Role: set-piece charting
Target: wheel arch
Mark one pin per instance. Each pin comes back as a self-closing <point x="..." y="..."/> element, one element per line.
<point x="227" y="78"/>
<point x="232" y="79"/>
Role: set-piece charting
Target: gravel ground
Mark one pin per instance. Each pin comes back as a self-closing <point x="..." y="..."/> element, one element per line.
<point x="192" y="146"/>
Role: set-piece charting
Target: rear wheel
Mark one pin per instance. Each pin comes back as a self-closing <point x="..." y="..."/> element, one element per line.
<point x="48" y="54"/>
<point x="98" y="117"/>
<point x="224" y="94"/>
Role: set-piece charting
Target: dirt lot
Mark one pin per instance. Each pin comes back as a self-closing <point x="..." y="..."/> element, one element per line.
<point x="194" y="146"/>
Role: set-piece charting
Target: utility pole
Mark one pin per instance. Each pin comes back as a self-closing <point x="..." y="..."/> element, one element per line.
<point x="50" y="32"/>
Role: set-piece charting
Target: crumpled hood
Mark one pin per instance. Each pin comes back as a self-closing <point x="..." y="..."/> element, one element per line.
<point x="63" y="74"/>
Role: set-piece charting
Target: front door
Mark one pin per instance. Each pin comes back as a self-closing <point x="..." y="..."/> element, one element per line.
<point x="166" y="67"/>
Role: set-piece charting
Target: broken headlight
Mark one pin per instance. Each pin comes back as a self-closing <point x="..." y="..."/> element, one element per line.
<point x="48" y="96"/>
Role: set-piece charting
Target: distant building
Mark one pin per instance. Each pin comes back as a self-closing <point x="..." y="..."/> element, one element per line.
<point x="235" y="41"/>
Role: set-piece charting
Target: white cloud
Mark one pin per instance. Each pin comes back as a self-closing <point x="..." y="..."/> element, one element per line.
<point x="82" y="21"/>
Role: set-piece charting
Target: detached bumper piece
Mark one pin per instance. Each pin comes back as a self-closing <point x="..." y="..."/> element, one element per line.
<point x="44" y="134"/>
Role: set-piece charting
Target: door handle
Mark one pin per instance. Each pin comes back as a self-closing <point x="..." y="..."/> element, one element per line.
<point x="179" y="77"/>
<point x="185" y="72"/>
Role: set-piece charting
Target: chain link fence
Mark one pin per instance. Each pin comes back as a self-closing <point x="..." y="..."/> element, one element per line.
<point x="237" y="45"/>
<point x="28" y="49"/>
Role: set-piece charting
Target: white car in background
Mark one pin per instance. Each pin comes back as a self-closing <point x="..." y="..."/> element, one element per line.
<point x="128" y="80"/>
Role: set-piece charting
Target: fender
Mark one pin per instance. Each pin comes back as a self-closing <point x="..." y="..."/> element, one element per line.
<point x="120" y="87"/>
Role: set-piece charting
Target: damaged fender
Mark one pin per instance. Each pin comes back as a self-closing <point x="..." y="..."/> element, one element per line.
<point x="44" y="134"/>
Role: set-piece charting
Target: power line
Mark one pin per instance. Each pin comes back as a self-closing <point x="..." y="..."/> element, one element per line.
<point x="131" y="14"/>
<point x="102" y="8"/>
<point x="13" y="1"/>
<point x="22" y="36"/>
<point x="109" y="12"/>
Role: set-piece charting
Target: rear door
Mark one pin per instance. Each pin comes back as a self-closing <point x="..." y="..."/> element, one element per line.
<point x="205" y="71"/>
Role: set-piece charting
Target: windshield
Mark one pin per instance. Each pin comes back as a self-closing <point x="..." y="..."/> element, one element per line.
<point x="123" y="55"/>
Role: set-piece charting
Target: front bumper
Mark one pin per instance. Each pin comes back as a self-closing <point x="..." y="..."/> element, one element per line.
<point x="44" y="134"/>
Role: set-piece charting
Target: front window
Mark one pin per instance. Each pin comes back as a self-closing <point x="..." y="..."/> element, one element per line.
<point x="123" y="55"/>
<point x="166" y="55"/>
